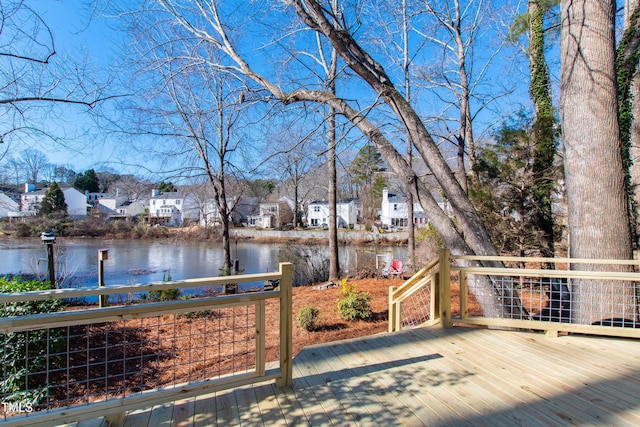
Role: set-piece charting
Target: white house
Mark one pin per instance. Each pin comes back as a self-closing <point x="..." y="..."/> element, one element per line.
<point x="318" y="213"/>
<point x="346" y="213"/>
<point x="76" y="202"/>
<point x="242" y="209"/>
<point x="166" y="208"/>
<point x="31" y="200"/>
<point x="94" y="198"/>
<point x="172" y="208"/>
<point x="109" y="206"/>
<point x="132" y="209"/>
<point x="394" y="210"/>
<point x="272" y="214"/>
<point x="7" y="205"/>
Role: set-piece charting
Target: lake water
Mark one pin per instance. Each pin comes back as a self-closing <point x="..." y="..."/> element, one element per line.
<point x="136" y="261"/>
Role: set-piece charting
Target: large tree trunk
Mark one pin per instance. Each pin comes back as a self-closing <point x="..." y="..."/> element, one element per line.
<point x="598" y="217"/>
<point x="543" y="129"/>
<point x="334" y="260"/>
<point x="628" y="55"/>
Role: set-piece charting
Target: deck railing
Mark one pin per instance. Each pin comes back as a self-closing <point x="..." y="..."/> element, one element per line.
<point x="517" y="293"/>
<point x="91" y="362"/>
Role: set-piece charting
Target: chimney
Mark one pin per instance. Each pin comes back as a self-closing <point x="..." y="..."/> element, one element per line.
<point x="154" y="193"/>
<point x="29" y="187"/>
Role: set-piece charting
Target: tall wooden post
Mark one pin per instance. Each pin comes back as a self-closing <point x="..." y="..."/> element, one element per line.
<point x="102" y="255"/>
<point x="445" y="288"/>
<point x="393" y="325"/>
<point x="51" y="264"/>
<point x="286" y="325"/>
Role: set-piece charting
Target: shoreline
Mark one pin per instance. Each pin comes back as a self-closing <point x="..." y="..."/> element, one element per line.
<point x="197" y="233"/>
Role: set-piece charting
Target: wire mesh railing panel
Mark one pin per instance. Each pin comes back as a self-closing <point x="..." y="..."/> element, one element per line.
<point x="416" y="309"/>
<point x="570" y="300"/>
<point x="60" y="367"/>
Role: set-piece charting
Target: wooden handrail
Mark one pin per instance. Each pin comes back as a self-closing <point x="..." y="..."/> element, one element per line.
<point x="440" y="304"/>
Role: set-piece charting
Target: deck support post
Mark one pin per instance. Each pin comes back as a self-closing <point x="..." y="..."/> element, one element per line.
<point x="393" y="326"/>
<point x="445" y="288"/>
<point x="286" y="325"/>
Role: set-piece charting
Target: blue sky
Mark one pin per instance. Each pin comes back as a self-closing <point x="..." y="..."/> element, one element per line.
<point x="80" y="34"/>
<point x="78" y="37"/>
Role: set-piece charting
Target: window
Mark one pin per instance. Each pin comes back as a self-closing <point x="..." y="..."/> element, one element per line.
<point x="316" y="208"/>
<point x="395" y="206"/>
<point x="177" y="202"/>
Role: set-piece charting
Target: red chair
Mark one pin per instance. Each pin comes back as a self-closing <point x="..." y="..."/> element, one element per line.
<point x="397" y="269"/>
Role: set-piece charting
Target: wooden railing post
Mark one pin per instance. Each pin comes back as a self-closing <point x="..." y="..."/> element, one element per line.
<point x="261" y="333"/>
<point x="286" y="325"/>
<point x="393" y="326"/>
<point x="445" y="288"/>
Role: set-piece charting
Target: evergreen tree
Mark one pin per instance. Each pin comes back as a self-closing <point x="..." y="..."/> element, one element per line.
<point x="53" y="202"/>
<point x="544" y="125"/>
<point x="506" y="193"/>
<point x="87" y="181"/>
<point x="364" y="175"/>
<point x="365" y="165"/>
<point x="167" y="187"/>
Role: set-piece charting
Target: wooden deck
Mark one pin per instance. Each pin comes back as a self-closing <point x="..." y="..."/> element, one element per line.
<point x="435" y="377"/>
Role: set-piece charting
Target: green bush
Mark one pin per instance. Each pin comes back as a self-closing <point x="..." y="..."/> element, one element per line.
<point x="307" y="317"/>
<point x="165" y="295"/>
<point x="353" y="305"/>
<point x="24" y="354"/>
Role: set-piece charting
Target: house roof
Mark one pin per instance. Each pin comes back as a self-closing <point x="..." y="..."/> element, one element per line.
<point x="42" y="191"/>
<point x="170" y="195"/>
<point x="342" y="201"/>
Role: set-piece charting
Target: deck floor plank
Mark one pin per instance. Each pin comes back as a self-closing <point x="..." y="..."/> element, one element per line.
<point x="561" y="400"/>
<point x="542" y="383"/>
<point x="454" y="385"/>
<point x="268" y="405"/>
<point x="248" y="409"/>
<point x="227" y="409"/>
<point x="490" y="382"/>
<point x="311" y="366"/>
<point x="139" y="418"/>
<point x="292" y="409"/>
<point x="205" y="411"/>
<point x="387" y="357"/>
<point x="347" y="388"/>
<point x="161" y="415"/>
<point x="434" y="377"/>
<point x="461" y="385"/>
<point x="600" y="398"/>
<point x="183" y="412"/>
<point x="390" y="410"/>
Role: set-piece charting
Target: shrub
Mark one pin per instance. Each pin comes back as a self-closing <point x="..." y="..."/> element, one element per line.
<point x="353" y="305"/>
<point x="25" y="353"/>
<point x="309" y="263"/>
<point x="23" y="230"/>
<point x="165" y="295"/>
<point x="307" y="317"/>
<point x="171" y="294"/>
